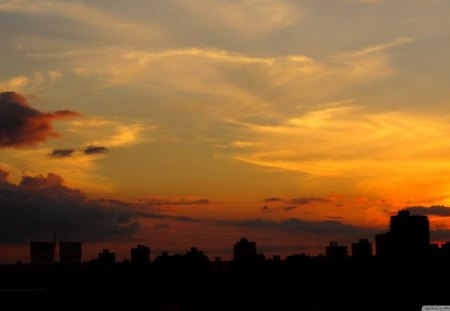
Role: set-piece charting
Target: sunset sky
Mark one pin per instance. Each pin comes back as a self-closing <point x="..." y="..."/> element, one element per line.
<point x="178" y="123"/>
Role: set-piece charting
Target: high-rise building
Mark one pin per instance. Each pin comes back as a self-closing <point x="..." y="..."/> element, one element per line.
<point x="335" y="251"/>
<point x="245" y="251"/>
<point x="107" y="258"/>
<point x="42" y="253"/>
<point x="69" y="252"/>
<point x="362" y="249"/>
<point x="408" y="236"/>
<point x="140" y="256"/>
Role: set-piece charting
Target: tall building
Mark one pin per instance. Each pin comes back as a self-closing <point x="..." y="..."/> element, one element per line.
<point x="362" y="249"/>
<point x="445" y="249"/>
<point x="140" y="256"/>
<point x="42" y="253"/>
<point x="335" y="251"/>
<point x="107" y="258"/>
<point x="69" y="252"/>
<point x="245" y="251"/>
<point x="408" y="236"/>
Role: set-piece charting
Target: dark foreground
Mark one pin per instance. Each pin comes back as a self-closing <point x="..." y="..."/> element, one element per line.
<point x="299" y="283"/>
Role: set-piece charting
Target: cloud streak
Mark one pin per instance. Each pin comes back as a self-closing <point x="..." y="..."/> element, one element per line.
<point x="440" y="210"/>
<point x="92" y="150"/>
<point x="62" y="153"/>
<point x="21" y="125"/>
<point x="301" y="226"/>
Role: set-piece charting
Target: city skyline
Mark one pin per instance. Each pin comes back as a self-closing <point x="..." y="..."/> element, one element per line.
<point x="408" y="237"/>
<point x="165" y="123"/>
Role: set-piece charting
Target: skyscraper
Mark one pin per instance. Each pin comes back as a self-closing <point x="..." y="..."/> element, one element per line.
<point x="70" y="252"/>
<point x="335" y="251"/>
<point x="245" y="251"/>
<point x="42" y="253"/>
<point x="362" y="249"/>
<point x="408" y="236"/>
<point x="140" y="256"/>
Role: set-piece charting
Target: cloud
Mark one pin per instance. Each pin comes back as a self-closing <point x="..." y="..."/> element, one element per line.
<point x="22" y="125"/>
<point x="62" y="153"/>
<point x="273" y="200"/>
<point x="89" y="18"/>
<point x="279" y="205"/>
<point x="91" y="150"/>
<point x="439" y="210"/>
<point x="441" y="235"/>
<point x="110" y="133"/>
<point x="33" y="83"/>
<point x="308" y="200"/>
<point x="162" y="226"/>
<point x="269" y="209"/>
<point x="289" y="208"/>
<point x="295" y="225"/>
<point x="45" y="202"/>
<point x="149" y="215"/>
<point x="335" y="217"/>
<point x="377" y="48"/>
<point x="177" y="201"/>
<point x="248" y="18"/>
<point x="338" y="141"/>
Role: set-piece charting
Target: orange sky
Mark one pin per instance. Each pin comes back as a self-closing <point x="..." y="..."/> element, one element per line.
<point x="238" y="115"/>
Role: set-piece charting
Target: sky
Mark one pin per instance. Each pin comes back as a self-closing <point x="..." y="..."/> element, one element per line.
<point x="178" y="123"/>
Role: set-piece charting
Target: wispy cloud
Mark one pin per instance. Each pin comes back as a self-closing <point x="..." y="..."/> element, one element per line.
<point x="340" y="141"/>
<point x="88" y="15"/>
<point x="252" y="17"/>
<point x="35" y="82"/>
<point x="378" y="48"/>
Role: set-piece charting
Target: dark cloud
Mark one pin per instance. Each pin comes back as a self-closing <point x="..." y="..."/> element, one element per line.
<point x="170" y="217"/>
<point x="173" y="202"/>
<point x="274" y="209"/>
<point x="295" y="225"/>
<point x="289" y="208"/>
<point x="296" y="201"/>
<point x="162" y="226"/>
<point x="437" y="210"/>
<point x="90" y="150"/>
<point x="306" y="200"/>
<point x="440" y="235"/>
<point x="46" y="202"/>
<point x="62" y="153"/>
<point x="22" y="125"/>
<point x="273" y="200"/>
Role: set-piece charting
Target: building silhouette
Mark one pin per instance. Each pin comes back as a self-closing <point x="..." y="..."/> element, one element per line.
<point x="42" y="253"/>
<point x="140" y="256"/>
<point x="408" y="236"/>
<point x="69" y="252"/>
<point x="362" y="249"/>
<point x="245" y="251"/>
<point x="107" y="258"/>
<point x="335" y="251"/>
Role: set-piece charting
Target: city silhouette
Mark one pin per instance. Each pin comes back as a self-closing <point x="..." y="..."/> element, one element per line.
<point x="405" y="273"/>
